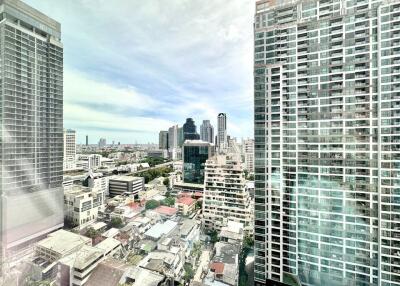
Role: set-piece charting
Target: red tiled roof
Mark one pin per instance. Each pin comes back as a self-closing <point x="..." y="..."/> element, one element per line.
<point x="198" y="194"/>
<point x="217" y="267"/>
<point x="166" y="210"/>
<point x="186" y="201"/>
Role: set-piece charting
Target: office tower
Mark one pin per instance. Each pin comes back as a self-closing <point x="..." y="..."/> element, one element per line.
<point x="190" y="130"/>
<point x="207" y="131"/>
<point x="226" y="197"/>
<point x="163" y="140"/>
<point x="173" y="137"/>
<point x="69" y="149"/>
<point x="327" y="106"/>
<point x="31" y="126"/>
<point x="181" y="137"/>
<point x="248" y="153"/>
<point x="195" y="155"/>
<point x="102" y="143"/>
<point x="222" y="135"/>
<point x="87" y="140"/>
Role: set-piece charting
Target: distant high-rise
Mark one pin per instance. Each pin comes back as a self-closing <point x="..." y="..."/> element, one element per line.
<point x="173" y="137"/>
<point x="222" y="134"/>
<point x="248" y="153"/>
<point x="181" y="137"/>
<point x="327" y="133"/>
<point x="69" y="149"/>
<point x="190" y="130"/>
<point x="195" y="155"/>
<point x="163" y="140"/>
<point x="31" y="126"/>
<point x="207" y="131"/>
<point x="87" y="140"/>
<point x="102" y="143"/>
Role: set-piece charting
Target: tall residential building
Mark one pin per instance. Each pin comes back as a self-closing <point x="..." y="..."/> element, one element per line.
<point x="207" y="131"/>
<point x="31" y="126"/>
<point x="190" y="130"/>
<point x="226" y="197"/>
<point x="163" y="140"/>
<point x="248" y="153"/>
<point x="222" y="136"/>
<point x="195" y="155"/>
<point x="327" y="106"/>
<point x="181" y="137"/>
<point x="69" y="149"/>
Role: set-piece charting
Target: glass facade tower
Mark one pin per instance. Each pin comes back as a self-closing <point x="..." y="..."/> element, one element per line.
<point x="31" y="126"/>
<point x="195" y="155"/>
<point x="327" y="142"/>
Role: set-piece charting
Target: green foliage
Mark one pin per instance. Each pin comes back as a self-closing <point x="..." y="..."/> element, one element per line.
<point x="166" y="182"/>
<point x="248" y="242"/>
<point x="213" y="236"/>
<point x="152" y="204"/>
<point x="199" y="205"/>
<point x="150" y="175"/>
<point x="116" y="222"/>
<point x="170" y="201"/>
<point x="69" y="223"/>
<point x="251" y="177"/>
<point x="92" y="233"/>
<point x="153" y="161"/>
<point x="189" y="272"/>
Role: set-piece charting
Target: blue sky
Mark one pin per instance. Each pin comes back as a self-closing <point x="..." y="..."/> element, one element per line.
<point x="134" y="67"/>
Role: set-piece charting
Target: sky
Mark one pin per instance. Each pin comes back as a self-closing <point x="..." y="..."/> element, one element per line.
<point x="134" y="67"/>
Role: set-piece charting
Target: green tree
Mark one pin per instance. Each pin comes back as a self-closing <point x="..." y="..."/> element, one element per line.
<point x="189" y="272"/>
<point x="166" y="182"/>
<point x="116" y="222"/>
<point x="92" y="233"/>
<point x="213" y="236"/>
<point x="152" y="204"/>
<point x="170" y="201"/>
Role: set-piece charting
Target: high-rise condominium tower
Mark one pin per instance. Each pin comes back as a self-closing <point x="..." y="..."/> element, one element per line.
<point x="207" y="131"/>
<point x="31" y="126"/>
<point x="69" y="149"/>
<point x="222" y="136"/>
<point x="327" y="133"/>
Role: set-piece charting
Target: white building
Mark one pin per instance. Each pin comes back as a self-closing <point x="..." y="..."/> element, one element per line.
<point x="97" y="181"/>
<point x="248" y="153"/>
<point x="82" y="205"/>
<point x="89" y="162"/>
<point x="125" y="185"/>
<point x="69" y="162"/>
<point x="226" y="197"/>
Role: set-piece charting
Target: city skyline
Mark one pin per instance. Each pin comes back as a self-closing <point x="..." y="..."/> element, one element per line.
<point x="121" y="86"/>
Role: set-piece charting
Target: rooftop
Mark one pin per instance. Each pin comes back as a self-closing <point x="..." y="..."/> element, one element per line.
<point x="107" y="273"/>
<point x="186" y="201"/>
<point x="86" y="256"/>
<point x="160" y="229"/>
<point x="126" y="178"/>
<point x="145" y="277"/>
<point x="63" y="242"/>
<point x="164" y="210"/>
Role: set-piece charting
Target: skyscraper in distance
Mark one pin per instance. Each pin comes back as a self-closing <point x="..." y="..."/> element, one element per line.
<point x="190" y="130"/>
<point x="69" y="149"/>
<point x="87" y="140"/>
<point x="222" y="143"/>
<point x="327" y="106"/>
<point x="31" y="126"/>
<point x="207" y="131"/>
<point x="163" y="140"/>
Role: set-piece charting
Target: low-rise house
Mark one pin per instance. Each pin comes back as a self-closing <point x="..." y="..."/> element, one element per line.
<point x="142" y="224"/>
<point x="96" y="181"/>
<point x="232" y="233"/>
<point x="160" y="229"/>
<point x="166" y="212"/>
<point x="164" y="262"/>
<point x="185" y="205"/>
<point x="109" y="272"/>
<point x="224" y="267"/>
